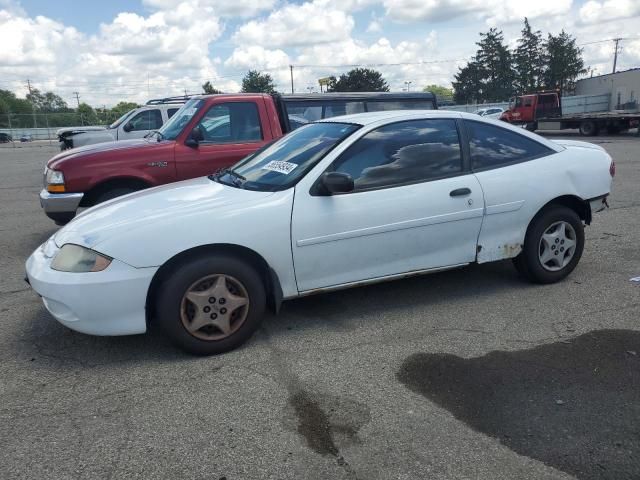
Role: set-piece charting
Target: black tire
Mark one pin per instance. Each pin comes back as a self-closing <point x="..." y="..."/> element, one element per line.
<point x="531" y="126"/>
<point x="589" y="128"/>
<point x="528" y="263"/>
<point x="170" y="295"/>
<point x="113" y="193"/>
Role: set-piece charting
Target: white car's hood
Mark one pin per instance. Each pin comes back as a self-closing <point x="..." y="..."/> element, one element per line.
<point x="183" y="200"/>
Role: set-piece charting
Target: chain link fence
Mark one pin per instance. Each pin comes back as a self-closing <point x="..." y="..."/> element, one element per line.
<point x="23" y="128"/>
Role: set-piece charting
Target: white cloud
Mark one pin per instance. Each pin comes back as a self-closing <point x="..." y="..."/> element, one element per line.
<point x="375" y="25"/>
<point x="383" y="51"/>
<point x="131" y="57"/>
<point x="604" y="11"/>
<point x="297" y="25"/>
<point x="235" y="8"/>
<point x="256" y="57"/>
<point x="493" y="11"/>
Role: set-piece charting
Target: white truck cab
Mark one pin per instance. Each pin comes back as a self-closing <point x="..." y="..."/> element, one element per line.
<point x="136" y="123"/>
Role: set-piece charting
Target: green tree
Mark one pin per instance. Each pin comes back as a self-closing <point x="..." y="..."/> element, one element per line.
<point x="495" y="65"/>
<point x="209" y="89"/>
<point x="489" y="76"/>
<point x="123" y="107"/>
<point x="359" y="80"/>
<point x="87" y="114"/>
<point x="439" y="91"/>
<point x="467" y="84"/>
<point x="529" y="61"/>
<point x="46" y="102"/>
<point x="564" y="62"/>
<point x="256" y="82"/>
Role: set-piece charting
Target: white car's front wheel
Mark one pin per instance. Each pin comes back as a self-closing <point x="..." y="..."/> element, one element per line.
<point x="553" y="245"/>
<point x="211" y="304"/>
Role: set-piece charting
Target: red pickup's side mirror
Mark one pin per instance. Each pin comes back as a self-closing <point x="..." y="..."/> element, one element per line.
<point x="195" y="137"/>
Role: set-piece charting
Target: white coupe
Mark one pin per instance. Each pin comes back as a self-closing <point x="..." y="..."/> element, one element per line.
<point x="337" y="203"/>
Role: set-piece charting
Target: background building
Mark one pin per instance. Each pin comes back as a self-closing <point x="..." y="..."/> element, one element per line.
<point x="624" y="88"/>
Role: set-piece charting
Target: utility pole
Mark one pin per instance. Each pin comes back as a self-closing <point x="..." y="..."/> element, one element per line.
<point x="33" y="109"/>
<point x="615" y="54"/>
<point x="291" y="69"/>
<point x="77" y="94"/>
<point x="408" y="84"/>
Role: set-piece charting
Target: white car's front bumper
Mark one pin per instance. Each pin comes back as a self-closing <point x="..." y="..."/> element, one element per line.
<point x="111" y="302"/>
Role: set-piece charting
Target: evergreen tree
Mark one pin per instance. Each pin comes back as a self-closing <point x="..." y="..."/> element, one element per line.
<point x="489" y="76"/>
<point x="529" y="60"/>
<point x="564" y="62"/>
<point x="467" y="87"/>
<point x="495" y="64"/>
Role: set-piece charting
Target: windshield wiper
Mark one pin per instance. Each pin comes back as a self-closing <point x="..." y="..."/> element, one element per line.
<point x="237" y="179"/>
<point x="155" y="132"/>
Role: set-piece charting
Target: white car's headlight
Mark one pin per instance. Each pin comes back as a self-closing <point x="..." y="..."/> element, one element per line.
<point x="74" y="258"/>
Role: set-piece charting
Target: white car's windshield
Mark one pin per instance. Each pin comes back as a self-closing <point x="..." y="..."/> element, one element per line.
<point x="121" y="119"/>
<point x="282" y="164"/>
<point x="177" y="122"/>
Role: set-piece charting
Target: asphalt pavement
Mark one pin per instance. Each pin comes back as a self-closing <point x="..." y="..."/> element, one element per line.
<point x="467" y="374"/>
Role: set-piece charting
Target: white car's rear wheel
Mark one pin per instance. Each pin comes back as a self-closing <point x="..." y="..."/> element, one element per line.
<point x="553" y="245"/>
<point x="211" y="304"/>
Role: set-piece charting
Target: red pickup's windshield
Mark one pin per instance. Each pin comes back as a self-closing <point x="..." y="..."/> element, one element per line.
<point x="175" y="125"/>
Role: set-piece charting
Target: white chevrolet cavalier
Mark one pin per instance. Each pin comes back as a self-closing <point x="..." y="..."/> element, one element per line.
<point x="337" y="203"/>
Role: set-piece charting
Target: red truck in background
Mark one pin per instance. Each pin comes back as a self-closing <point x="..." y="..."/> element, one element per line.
<point x="549" y="111"/>
<point x="207" y="134"/>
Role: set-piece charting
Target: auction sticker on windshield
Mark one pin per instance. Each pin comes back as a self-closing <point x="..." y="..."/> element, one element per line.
<point x="280" y="167"/>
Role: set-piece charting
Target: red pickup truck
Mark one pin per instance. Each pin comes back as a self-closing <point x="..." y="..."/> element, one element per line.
<point x="207" y="134"/>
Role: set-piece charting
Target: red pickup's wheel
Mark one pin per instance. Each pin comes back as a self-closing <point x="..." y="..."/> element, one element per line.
<point x="113" y="193"/>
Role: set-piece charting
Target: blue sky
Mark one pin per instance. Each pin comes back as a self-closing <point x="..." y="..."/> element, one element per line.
<point x="112" y="50"/>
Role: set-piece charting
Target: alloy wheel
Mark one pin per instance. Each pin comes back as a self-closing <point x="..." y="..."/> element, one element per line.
<point x="557" y="246"/>
<point x="214" y="307"/>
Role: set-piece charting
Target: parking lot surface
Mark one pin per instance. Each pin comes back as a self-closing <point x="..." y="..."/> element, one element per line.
<point x="471" y="373"/>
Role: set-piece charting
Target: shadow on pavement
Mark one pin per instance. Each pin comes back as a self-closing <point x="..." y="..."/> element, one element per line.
<point x="574" y="406"/>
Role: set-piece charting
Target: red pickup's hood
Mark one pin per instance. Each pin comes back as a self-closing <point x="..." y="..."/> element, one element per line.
<point x="98" y="148"/>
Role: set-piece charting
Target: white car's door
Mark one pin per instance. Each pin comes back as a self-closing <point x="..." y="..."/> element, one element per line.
<point x="140" y="124"/>
<point x="516" y="179"/>
<point x="413" y="208"/>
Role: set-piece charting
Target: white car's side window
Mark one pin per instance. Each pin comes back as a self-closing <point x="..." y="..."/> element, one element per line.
<point x="493" y="146"/>
<point x="401" y="153"/>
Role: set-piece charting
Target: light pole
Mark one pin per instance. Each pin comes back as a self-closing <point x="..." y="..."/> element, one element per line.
<point x="408" y="84"/>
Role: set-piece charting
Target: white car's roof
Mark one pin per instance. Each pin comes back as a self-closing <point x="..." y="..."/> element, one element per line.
<point x="372" y="117"/>
<point x="381" y="118"/>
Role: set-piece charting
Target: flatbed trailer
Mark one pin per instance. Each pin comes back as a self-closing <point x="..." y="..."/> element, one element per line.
<point x="589" y="114"/>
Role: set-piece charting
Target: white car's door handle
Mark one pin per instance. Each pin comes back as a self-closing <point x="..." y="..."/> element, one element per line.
<point x="460" y="192"/>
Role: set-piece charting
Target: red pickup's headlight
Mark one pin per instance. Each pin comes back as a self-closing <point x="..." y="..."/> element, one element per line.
<point x="55" y="181"/>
